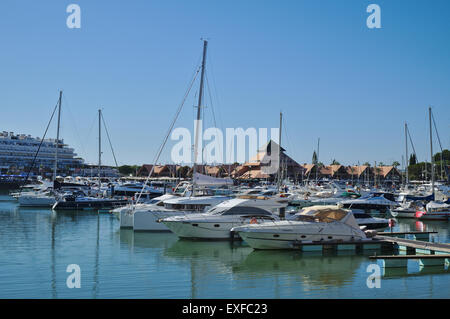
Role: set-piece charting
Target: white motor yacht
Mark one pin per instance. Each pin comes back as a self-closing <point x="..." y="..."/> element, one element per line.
<point x="435" y="211"/>
<point x="376" y="203"/>
<point x="38" y="199"/>
<point x="324" y="224"/>
<point x="408" y="209"/>
<point x="147" y="219"/>
<point x="126" y="213"/>
<point x="364" y="220"/>
<point x="219" y="220"/>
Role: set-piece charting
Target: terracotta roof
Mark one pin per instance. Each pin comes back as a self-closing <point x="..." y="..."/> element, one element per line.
<point x="384" y="170"/>
<point x="356" y="170"/>
<point x="253" y="174"/>
<point x="239" y="170"/>
<point x="309" y="168"/>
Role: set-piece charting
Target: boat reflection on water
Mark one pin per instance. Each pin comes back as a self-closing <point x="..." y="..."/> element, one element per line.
<point x="146" y="239"/>
<point x="411" y="225"/>
<point x="311" y="270"/>
<point x="221" y="252"/>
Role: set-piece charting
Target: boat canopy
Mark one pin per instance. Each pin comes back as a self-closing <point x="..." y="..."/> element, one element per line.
<point x="327" y="214"/>
<point x="437" y="205"/>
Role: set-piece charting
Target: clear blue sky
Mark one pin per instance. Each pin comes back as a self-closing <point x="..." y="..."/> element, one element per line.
<point x="316" y="61"/>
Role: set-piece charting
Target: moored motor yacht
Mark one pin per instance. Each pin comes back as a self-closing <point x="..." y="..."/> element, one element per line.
<point x="322" y="225"/>
<point x="147" y="219"/>
<point x="435" y="211"/>
<point x="79" y="201"/>
<point x="217" y="222"/>
<point x="40" y="199"/>
<point x="376" y="203"/>
<point x="126" y="213"/>
<point x="364" y="220"/>
<point x="408" y="209"/>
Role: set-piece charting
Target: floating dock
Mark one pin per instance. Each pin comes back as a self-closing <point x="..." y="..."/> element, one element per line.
<point x="428" y="254"/>
<point x="402" y="260"/>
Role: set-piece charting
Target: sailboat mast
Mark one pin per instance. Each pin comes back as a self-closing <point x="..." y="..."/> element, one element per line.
<point x="200" y="98"/>
<point x="99" y="145"/>
<point x="279" y="153"/>
<point x="406" y="154"/>
<point x="431" y="153"/>
<point x="318" y="148"/>
<point x="57" y="137"/>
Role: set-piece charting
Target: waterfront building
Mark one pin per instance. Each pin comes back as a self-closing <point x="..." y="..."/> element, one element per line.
<point x="256" y="167"/>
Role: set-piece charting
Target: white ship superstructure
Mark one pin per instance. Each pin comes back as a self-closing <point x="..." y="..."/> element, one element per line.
<point x="18" y="150"/>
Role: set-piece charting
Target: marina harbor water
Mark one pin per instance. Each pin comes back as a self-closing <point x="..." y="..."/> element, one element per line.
<point x="37" y="245"/>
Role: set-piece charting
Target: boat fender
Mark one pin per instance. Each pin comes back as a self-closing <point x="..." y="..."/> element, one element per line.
<point x="391" y="222"/>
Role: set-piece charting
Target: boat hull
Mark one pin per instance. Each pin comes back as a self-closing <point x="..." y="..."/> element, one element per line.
<point x="204" y="230"/>
<point x="277" y="240"/>
<point x="89" y="205"/>
<point x="32" y="201"/>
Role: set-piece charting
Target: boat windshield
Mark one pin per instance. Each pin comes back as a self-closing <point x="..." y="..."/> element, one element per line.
<point x="238" y="210"/>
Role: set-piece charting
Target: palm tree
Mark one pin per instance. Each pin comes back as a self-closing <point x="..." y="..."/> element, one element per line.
<point x="395" y="164"/>
<point x="334" y="162"/>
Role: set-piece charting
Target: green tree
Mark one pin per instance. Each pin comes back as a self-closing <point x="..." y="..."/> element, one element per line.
<point x="314" y="158"/>
<point x="412" y="159"/>
<point x="128" y="169"/>
<point x="445" y="156"/>
<point x="334" y="162"/>
<point x="395" y="164"/>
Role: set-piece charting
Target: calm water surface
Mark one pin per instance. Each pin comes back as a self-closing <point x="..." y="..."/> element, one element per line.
<point x="37" y="245"/>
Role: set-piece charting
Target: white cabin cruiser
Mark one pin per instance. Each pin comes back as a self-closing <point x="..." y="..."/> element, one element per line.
<point x="126" y="213"/>
<point x="435" y="211"/>
<point x="39" y="199"/>
<point x="376" y="203"/>
<point x="217" y="222"/>
<point x="147" y="219"/>
<point x="408" y="209"/>
<point x="322" y="225"/>
<point x="365" y="221"/>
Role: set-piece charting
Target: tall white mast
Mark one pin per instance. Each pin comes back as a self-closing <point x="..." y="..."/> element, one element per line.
<point x="279" y="154"/>
<point x="99" y="146"/>
<point x="406" y="154"/>
<point x="55" y="169"/>
<point x="198" y="133"/>
<point x="431" y="153"/>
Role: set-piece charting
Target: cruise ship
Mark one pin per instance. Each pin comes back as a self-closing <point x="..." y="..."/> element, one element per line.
<point x="18" y="150"/>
